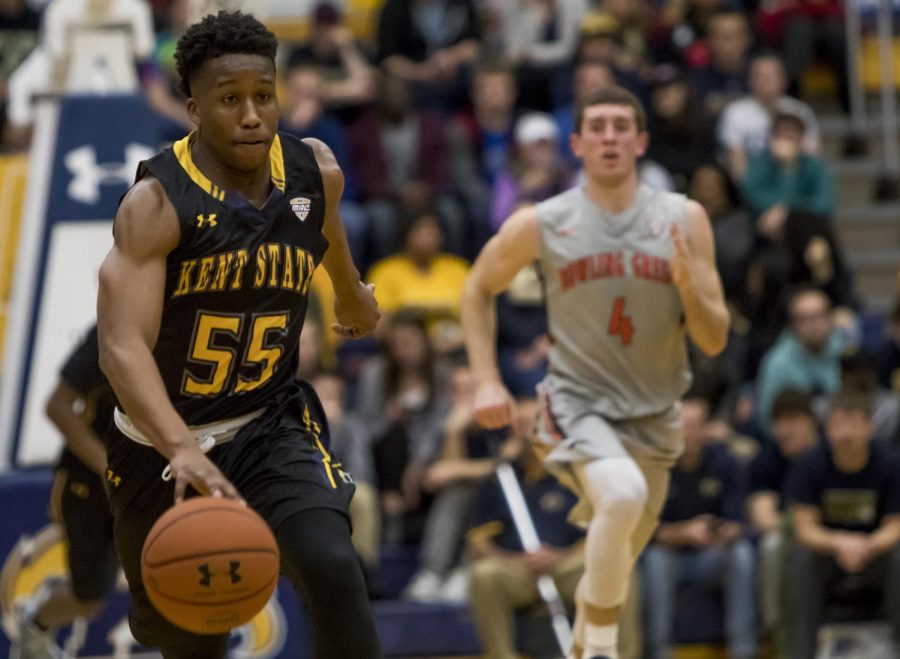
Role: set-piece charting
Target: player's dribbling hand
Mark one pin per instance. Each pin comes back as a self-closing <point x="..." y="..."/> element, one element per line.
<point x="356" y="314"/>
<point x="190" y="466"/>
<point x="494" y="407"/>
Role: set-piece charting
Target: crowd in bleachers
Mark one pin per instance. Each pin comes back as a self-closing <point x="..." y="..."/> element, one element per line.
<point x="453" y="113"/>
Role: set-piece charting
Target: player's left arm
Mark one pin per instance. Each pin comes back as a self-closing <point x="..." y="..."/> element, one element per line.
<point x="697" y="280"/>
<point x="354" y="303"/>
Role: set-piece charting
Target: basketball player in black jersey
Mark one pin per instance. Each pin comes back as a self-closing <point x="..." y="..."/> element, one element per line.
<point x="202" y="299"/>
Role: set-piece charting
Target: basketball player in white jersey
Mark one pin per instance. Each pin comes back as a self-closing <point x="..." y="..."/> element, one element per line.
<point x="627" y="271"/>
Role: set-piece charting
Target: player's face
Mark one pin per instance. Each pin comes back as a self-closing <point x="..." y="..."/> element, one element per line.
<point x="234" y="106"/>
<point x="609" y="143"/>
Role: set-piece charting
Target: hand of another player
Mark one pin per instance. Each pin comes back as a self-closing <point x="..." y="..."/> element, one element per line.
<point x="357" y="314"/>
<point x="494" y="406"/>
<point x="190" y="466"/>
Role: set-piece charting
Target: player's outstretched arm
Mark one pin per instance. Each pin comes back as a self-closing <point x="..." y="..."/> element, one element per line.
<point x="694" y="274"/>
<point x="129" y="311"/>
<point x="515" y="246"/>
<point x="76" y="431"/>
<point x="354" y="305"/>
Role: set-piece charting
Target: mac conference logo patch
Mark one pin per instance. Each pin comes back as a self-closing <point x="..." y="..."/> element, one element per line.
<point x="300" y="206"/>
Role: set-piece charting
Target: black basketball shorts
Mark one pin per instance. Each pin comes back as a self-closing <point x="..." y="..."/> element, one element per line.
<point x="280" y="464"/>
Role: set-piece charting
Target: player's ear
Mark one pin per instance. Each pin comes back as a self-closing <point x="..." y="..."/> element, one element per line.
<point x="575" y="144"/>
<point x="193" y="111"/>
<point x="643" y="141"/>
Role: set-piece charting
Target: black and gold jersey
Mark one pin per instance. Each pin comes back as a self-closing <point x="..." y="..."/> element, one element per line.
<point x="237" y="283"/>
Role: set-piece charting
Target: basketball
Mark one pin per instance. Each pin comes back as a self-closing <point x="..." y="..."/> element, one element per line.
<point x="209" y="565"/>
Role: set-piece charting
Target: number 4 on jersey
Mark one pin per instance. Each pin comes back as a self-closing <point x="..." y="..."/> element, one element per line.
<point x="620" y="324"/>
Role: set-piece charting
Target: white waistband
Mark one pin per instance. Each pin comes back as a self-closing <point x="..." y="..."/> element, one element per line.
<point x="219" y="431"/>
<point x="207" y="435"/>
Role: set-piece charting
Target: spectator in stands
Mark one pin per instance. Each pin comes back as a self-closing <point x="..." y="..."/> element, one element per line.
<point x="400" y="158"/>
<point x="401" y="400"/>
<point x="845" y="500"/>
<point x="503" y="577"/>
<point x="603" y="40"/>
<point x="430" y="43"/>
<point x="540" y="38"/>
<point x="589" y="77"/>
<point x="348" y="78"/>
<point x="889" y="353"/>
<point x="633" y="17"/>
<point x="681" y="134"/>
<point x="468" y="457"/>
<point x="732" y="227"/>
<point x="806" y="356"/>
<point x="744" y="125"/>
<point x="781" y="178"/>
<point x="680" y="30"/>
<point x="480" y="142"/>
<point x="815" y="257"/>
<point x="536" y="172"/>
<point x="723" y="78"/>
<point x="19" y="25"/>
<point x="859" y="374"/>
<point x="303" y="114"/>
<point x="701" y="540"/>
<point x="425" y="280"/>
<point x="350" y="443"/>
<point x="522" y="341"/>
<point x="794" y="431"/>
<point x="805" y="32"/>
<point x="312" y="354"/>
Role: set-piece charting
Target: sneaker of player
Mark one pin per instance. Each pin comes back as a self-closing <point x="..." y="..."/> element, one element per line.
<point x="33" y="642"/>
<point x="424" y="587"/>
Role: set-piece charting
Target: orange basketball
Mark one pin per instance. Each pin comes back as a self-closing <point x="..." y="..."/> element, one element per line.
<point x="209" y="565"/>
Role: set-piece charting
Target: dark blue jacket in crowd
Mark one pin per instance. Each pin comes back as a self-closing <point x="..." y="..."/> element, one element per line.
<point x="713" y="488"/>
<point x="548" y="502"/>
<point x="852" y="502"/>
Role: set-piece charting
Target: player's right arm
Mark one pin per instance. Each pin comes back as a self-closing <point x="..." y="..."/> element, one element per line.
<point x="515" y="246"/>
<point x="129" y="312"/>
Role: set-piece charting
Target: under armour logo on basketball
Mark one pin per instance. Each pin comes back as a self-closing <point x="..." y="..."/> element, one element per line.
<point x="88" y="175"/>
<point x="209" y="220"/>
<point x="206" y="574"/>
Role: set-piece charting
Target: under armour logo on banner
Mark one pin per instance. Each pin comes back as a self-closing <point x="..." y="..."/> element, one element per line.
<point x="88" y="175"/>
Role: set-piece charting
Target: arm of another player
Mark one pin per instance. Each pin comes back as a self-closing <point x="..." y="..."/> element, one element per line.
<point x="515" y="246"/>
<point x="77" y="433"/>
<point x="129" y="310"/>
<point x="694" y="274"/>
<point x="354" y="304"/>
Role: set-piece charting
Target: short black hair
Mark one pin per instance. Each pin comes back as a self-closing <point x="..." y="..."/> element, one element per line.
<point x="225" y="33"/>
<point x="792" y="402"/>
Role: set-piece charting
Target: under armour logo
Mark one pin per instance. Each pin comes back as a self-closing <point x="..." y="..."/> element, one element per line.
<point x="206" y="574"/>
<point x="209" y="220"/>
<point x="113" y="478"/>
<point x="88" y="175"/>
